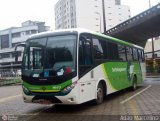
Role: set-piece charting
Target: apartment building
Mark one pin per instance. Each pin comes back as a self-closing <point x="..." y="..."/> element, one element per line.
<point x="10" y="37"/>
<point x="88" y="14"/>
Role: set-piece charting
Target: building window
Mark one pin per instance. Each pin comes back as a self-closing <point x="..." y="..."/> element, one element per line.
<point x="27" y="32"/>
<point x="15" y="35"/>
<point x="5" y="41"/>
<point x="117" y="2"/>
<point x="5" y="55"/>
<point x="33" y="31"/>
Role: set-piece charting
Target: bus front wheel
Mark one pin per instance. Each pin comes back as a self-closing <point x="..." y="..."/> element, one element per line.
<point x="100" y="94"/>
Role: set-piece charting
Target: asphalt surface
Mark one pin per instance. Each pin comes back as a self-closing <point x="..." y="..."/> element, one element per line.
<point x="124" y="105"/>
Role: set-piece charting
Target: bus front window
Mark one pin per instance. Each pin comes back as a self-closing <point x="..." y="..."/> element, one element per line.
<point x="60" y="53"/>
<point x="48" y="57"/>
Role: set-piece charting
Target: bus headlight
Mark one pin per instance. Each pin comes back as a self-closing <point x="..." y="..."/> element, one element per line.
<point x="26" y="91"/>
<point x="69" y="88"/>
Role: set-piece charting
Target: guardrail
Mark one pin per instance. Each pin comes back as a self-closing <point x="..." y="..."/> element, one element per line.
<point x="10" y="81"/>
<point x="10" y="76"/>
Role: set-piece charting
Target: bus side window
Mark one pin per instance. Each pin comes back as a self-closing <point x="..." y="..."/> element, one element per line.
<point x="85" y="53"/>
<point x="98" y="48"/>
<point x="143" y="58"/>
<point x="122" y="53"/>
<point x="141" y="55"/>
<point x="129" y="54"/>
<point x="135" y="54"/>
<point x="113" y="51"/>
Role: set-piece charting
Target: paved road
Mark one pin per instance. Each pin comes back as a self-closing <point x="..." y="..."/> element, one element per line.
<point x="144" y="101"/>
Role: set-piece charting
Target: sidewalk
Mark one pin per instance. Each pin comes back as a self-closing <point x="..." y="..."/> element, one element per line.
<point x="152" y="80"/>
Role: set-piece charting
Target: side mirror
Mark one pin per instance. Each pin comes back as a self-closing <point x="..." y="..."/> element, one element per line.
<point x="16" y="52"/>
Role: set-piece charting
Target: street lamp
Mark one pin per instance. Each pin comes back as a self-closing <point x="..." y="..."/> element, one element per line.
<point x="99" y="20"/>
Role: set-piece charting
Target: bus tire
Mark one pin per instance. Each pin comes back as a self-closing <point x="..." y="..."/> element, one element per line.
<point x="134" y="84"/>
<point x="100" y="94"/>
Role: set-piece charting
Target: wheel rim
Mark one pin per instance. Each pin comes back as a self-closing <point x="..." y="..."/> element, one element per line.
<point x="99" y="95"/>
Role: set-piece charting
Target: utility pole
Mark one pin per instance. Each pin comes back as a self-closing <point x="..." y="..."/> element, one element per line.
<point x="104" y="16"/>
<point x="152" y="48"/>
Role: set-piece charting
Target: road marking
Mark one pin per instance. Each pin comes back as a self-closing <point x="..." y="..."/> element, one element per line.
<point x="29" y="114"/>
<point x="134" y="110"/>
<point x="9" y="98"/>
<point x="135" y="94"/>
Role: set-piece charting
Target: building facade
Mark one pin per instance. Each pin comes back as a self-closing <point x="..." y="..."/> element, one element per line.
<point x="10" y="37"/>
<point x="153" y="59"/>
<point x="88" y="14"/>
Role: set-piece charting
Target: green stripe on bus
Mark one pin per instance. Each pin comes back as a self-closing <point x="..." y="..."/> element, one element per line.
<point x="46" y="88"/>
<point x="113" y="39"/>
<point x="117" y="74"/>
<point x="106" y="76"/>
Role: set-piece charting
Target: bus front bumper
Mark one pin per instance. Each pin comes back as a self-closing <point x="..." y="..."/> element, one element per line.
<point x="70" y="99"/>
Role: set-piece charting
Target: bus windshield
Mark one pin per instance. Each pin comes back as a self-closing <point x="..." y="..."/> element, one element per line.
<point x="50" y="56"/>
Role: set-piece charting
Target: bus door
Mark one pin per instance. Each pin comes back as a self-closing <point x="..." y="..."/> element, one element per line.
<point x="85" y="67"/>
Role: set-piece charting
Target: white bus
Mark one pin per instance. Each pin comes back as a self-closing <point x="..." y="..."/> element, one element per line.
<point x="76" y="65"/>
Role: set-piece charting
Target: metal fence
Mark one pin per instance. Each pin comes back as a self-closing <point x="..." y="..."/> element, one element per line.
<point x="10" y="76"/>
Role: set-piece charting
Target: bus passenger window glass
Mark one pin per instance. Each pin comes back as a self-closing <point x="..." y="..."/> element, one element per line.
<point x="122" y="53"/>
<point x="113" y="51"/>
<point x="129" y="54"/>
<point x="36" y="57"/>
<point x="143" y="58"/>
<point x="140" y="55"/>
<point x="85" y="55"/>
<point x="98" y="48"/>
<point x="36" y="50"/>
<point x="135" y="54"/>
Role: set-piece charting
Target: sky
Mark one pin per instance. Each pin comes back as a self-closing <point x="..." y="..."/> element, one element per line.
<point x="14" y="12"/>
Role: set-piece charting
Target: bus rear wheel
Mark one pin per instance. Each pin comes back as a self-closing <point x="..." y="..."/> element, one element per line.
<point x="100" y="94"/>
